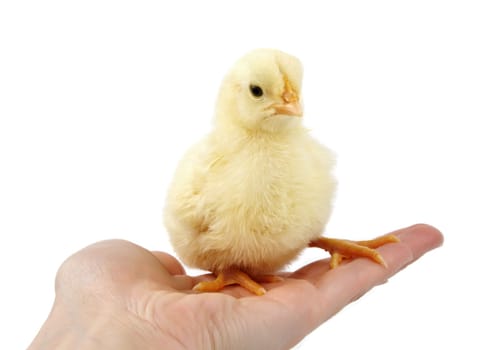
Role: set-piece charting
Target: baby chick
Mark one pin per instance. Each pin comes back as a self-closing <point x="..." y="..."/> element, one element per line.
<point x="258" y="189"/>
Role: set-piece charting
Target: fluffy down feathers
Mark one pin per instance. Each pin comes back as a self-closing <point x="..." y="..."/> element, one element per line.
<point x="258" y="188"/>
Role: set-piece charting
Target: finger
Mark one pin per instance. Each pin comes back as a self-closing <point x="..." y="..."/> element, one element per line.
<point x="170" y="263"/>
<point x="348" y="282"/>
<point x="421" y="238"/>
<point x="177" y="277"/>
<point x="312" y="271"/>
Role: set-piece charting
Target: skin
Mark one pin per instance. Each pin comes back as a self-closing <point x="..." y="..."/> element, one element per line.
<point x="117" y="295"/>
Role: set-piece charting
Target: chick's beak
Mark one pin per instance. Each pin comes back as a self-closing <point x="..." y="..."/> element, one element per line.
<point x="292" y="109"/>
<point x="291" y="105"/>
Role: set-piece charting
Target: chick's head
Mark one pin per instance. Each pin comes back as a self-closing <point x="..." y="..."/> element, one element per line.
<point x="262" y="92"/>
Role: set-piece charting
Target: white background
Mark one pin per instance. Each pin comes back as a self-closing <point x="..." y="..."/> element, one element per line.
<point x="99" y="100"/>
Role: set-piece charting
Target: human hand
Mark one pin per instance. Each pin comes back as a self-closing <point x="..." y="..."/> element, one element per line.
<point x="117" y="295"/>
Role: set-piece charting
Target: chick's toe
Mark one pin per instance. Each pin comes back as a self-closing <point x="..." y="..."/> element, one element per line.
<point x="230" y="277"/>
<point x="342" y="249"/>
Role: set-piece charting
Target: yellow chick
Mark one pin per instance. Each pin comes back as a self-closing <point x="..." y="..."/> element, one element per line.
<point x="258" y="189"/>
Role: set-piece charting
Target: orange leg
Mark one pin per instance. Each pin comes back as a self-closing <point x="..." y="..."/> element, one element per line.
<point x="341" y="249"/>
<point x="230" y="277"/>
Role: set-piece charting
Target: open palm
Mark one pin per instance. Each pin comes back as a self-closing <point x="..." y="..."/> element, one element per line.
<point x="148" y="296"/>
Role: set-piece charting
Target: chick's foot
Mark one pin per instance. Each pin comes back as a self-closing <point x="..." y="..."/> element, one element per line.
<point x="231" y="277"/>
<point x="342" y="249"/>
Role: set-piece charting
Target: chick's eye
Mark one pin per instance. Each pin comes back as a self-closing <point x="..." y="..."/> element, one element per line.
<point x="256" y="91"/>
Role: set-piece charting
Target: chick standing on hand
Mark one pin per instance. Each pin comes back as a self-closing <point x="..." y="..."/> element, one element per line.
<point x="258" y="189"/>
